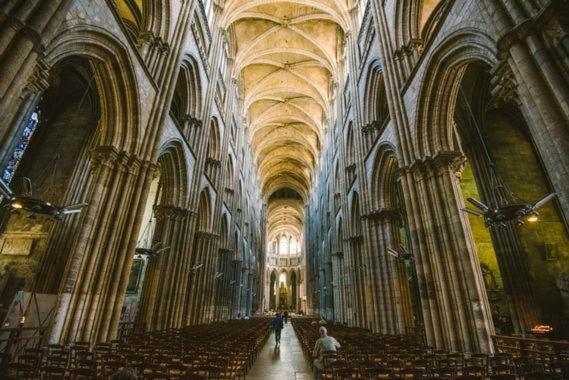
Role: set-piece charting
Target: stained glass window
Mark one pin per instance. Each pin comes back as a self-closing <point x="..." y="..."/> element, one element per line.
<point x="24" y="141"/>
<point x="284" y="246"/>
<point x="293" y="246"/>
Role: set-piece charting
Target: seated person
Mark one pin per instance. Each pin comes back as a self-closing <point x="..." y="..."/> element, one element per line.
<point x="325" y="343"/>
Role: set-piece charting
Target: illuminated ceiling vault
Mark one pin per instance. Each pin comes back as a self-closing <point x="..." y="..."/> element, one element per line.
<point x="287" y="59"/>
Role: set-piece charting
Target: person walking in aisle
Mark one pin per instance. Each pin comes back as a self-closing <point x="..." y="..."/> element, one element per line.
<point x="277" y="327"/>
<point x="286" y="317"/>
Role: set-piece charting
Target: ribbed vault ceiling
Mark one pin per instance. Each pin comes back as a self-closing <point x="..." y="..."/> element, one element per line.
<point x="287" y="59"/>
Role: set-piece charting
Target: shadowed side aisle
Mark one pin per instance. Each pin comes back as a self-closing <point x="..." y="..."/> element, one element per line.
<point x="285" y="363"/>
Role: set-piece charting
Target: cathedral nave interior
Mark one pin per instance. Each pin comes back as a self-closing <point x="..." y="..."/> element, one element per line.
<point x="175" y="173"/>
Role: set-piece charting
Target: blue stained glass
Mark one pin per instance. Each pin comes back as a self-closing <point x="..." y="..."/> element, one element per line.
<point x="23" y="143"/>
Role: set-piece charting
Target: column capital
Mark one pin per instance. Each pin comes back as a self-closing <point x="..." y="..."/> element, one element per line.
<point x="386" y="213"/>
<point x="441" y="162"/>
<point x="171" y="212"/>
<point x="206" y="235"/>
<point x="38" y="81"/>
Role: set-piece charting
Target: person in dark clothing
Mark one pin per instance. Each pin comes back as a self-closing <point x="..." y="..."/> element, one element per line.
<point x="286" y="317"/>
<point x="277" y="327"/>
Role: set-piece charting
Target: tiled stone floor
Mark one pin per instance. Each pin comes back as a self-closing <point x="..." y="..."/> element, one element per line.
<point x="284" y="363"/>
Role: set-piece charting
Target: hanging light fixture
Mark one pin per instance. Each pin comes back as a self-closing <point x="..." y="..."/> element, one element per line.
<point x="505" y="207"/>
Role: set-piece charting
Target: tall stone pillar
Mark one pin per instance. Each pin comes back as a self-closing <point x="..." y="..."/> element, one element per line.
<point x="199" y="270"/>
<point x="393" y="314"/>
<point x="26" y="28"/>
<point x="165" y="289"/>
<point x="543" y="91"/>
<point x="454" y="302"/>
<point x="337" y="287"/>
<point x="221" y="283"/>
<point x="94" y="282"/>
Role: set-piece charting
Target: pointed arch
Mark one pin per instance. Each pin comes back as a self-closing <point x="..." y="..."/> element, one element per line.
<point x="119" y="125"/>
<point x="376" y="108"/>
<point x="214" y="142"/>
<point x="340" y="236"/>
<point x="173" y="174"/>
<point x="224" y="232"/>
<point x="438" y="93"/>
<point x="416" y="20"/>
<point x="145" y="19"/>
<point x="356" y="221"/>
<point x="187" y="98"/>
<point x="350" y="149"/>
<point x="204" y="211"/>
<point x="229" y="173"/>
<point x="384" y="176"/>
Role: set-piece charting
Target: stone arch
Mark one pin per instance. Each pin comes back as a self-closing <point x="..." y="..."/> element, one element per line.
<point x="337" y="177"/>
<point x="214" y="142"/>
<point x="415" y="20"/>
<point x="375" y="107"/>
<point x="356" y="222"/>
<point x="273" y="281"/>
<point x="173" y="174"/>
<point x="119" y="125"/>
<point x="438" y="94"/>
<point x="229" y="172"/>
<point x="54" y="158"/>
<point x="187" y="99"/>
<point x="340" y="235"/>
<point x="401" y="291"/>
<point x="157" y="17"/>
<point x="204" y="211"/>
<point x="495" y="138"/>
<point x="350" y="148"/>
<point x="144" y="19"/>
<point x="383" y="178"/>
<point x="236" y="243"/>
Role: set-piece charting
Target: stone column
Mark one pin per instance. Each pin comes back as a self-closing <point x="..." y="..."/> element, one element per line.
<point x="454" y="302"/>
<point x="150" y="288"/>
<point x="542" y="90"/>
<point x="337" y="287"/>
<point x="393" y="314"/>
<point x="512" y="260"/>
<point x="200" y="254"/>
<point x="94" y="282"/>
<point x="27" y="26"/>
<point x="208" y="279"/>
<point x="171" y="229"/>
<point x="220" y="295"/>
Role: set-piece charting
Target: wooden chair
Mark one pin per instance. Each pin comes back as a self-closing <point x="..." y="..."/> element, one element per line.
<point x="83" y="374"/>
<point x="50" y="372"/>
<point x="479" y="371"/>
<point x="22" y="370"/>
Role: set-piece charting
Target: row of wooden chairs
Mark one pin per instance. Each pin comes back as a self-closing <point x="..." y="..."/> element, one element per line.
<point x="221" y="350"/>
<point x="365" y="355"/>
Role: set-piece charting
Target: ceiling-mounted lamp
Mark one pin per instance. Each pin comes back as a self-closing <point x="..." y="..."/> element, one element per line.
<point x="505" y="206"/>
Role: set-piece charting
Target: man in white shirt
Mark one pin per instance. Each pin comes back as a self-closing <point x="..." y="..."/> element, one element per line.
<point x="325" y="343"/>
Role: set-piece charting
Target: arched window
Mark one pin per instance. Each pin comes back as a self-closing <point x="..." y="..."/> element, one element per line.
<point x="283" y="246"/>
<point x="282" y="279"/>
<point x="229" y="174"/>
<point x="21" y="146"/>
<point x="350" y="153"/>
<point x="214" y="141"/>
<point x="293" y="246"/>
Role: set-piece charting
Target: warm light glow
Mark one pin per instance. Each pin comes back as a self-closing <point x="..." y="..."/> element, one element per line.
<point x="541" y="329"/>
<point x="533" y="219"/>
<point x="23" y="319"/>
<point x="17" y="205"/>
